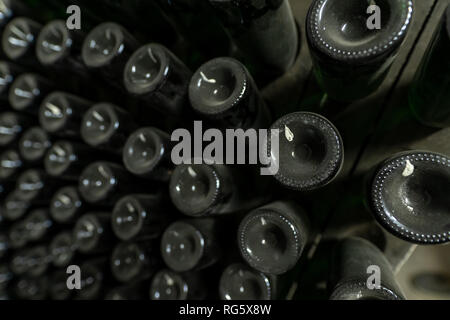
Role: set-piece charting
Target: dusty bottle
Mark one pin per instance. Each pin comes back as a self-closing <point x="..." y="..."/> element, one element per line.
<point x="408" y="196"/>
<point x="265" y="31"/>
<point x="311" y="151"/>
<point x="147" y="154"/>
<point x="429" y="94"/>
<point x="349" y="280"/>
<point x="271" y="238"/>
<point x="352" y="51"/>
<point x="223" y="91"/>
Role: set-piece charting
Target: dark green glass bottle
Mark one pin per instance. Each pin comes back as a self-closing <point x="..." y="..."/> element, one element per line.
<point x="265" y="31"/>
<point x="190" y="18"/>
<point x="355" y="265"/>
<point x="429" y="95"/>
<point x="350" y="59"/>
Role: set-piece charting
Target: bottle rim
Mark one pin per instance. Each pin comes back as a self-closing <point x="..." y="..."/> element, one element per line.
<point x="101" y="60"/>
<point x="293" y="239"/>
<point x="20" y="99"/>
<point x="48" y="57"/>
<point x="183" y="230"/>
<point x="215" y="189"/>
<point x="23" y="24"/>
<point x="8" y="134"/>
<point x="160" y="279"/>
<point x="59" y="150"/>
<point x="55" y="124"/>
<point x="26" y="148"/>
<point x="62" y="257"/>
<point x="100" y="137"/>
<point x="10" y="161"/>
<point x="68" y="214"/>
<point x="101" y="193"/>
<point x="156" y="142"/>
<point x="248" y="274"/>
<point x="358" y="290"/>
<point x="31" y="188"/>
<point x="41" y="218"/>
<point x="373" y="49"/>
<point x="158" y="55"/>
<point x="126" y="235"/>
<point x="405" y="164"/>
<point x="134" y="269"/>
<point x="229" y="68"/>
<point x="95" y="234"/>
<point x="330" y="164"/>
<point x="18" y="209"/>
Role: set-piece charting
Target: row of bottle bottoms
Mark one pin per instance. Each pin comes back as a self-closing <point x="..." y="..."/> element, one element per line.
<point x="196" y="190"/>
<point x="199" y="265"/>
<point x="347" y="70"/>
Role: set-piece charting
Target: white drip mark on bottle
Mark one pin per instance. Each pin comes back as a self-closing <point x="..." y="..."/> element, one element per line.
<point x="409" y="169"/>
<point x="192" y="172"/>
<point x="288" y="134"/>
<point x="205" y="78"/>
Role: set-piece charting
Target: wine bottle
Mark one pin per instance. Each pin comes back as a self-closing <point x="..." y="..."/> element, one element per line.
<point x="18" y="39"/>
<point x="223" y="91"/>
<point x="147" y="154"/>
<point x="351" y="58"/>
<point x="60" y="114"/>
<point x="66" y="160"/>
<point x="107" y="49"/>
<point x="311" y="151"/>
<point x="103" y="182"/>
<point x="38" y="224"/>
<point x="59" y="48"/>
<point x="13" y="207"/>
<point x="271" y="238"/>
<point x="32" y="261"/>
<point x="429" y="94"/>
<point x="207" y="190"/>
<point x="265" y="31"/>
<point x="62" y="249"/>
<point x="27" y="92"/>
<point x="92" y="232"/>
<point x="107" y="127"/>
<point x="140" y="216"/>
<point x="169" y="285"/>
<point x="94" y="278"/>
<point x="190" y="244"/>
<point x="31" y="288"/>
<point x="154" y="74"/>
<point x="33" y="144"/>
<point x="66" y="205"/>
<point x="240" y="282"/>
<point x="408" y="196"/>
<point x="10" y="164"/>
<point x="185" y="16"/>
<point x="18" y="235"/>
<point x="11" y="126"/>
<point x="35" y="184"/>
<point x="8" y="73"/>
<point x="349" y="280"/>
<point x="133" y="261"/>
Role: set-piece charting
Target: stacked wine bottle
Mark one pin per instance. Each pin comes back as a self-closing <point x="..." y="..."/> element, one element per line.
<point x="87" y="181"/>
